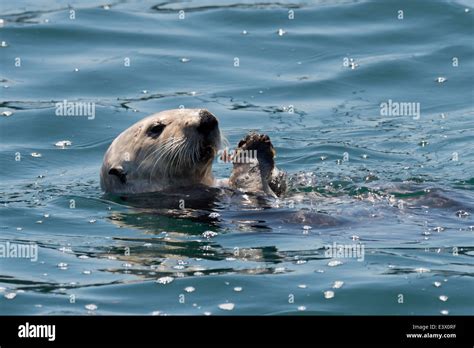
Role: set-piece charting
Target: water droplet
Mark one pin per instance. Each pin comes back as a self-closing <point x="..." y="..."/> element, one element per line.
<point x="364" y="156"/>
<point x="92" y="221"/>
<point x="10" y="295"/>
<point x="76" y="69"/>
<point x="281" y="32"/>
<point x="238" y="289"/>
<point x="244" y="32"/>
<point x="106" y="7"/>
<point x="443" y="298"/>
<point x="4" y="44"/>
<point x="462" y="214"/>
<point x="328" y="294"/>
<point x="7" y="113"/>
<point x="63" y="143"/>
<point x="323" y="158"/>
<point x="164" y="280"/>
<point x="62" y="265"/>
<point x="437" y="284"/>
<point x="214" y="215"/>
<point x="184" y="60"/>
<point x="189" y="289"/>
<point x="422" y="270"/>
<point x="441" y="79"/>
<point x="334" y="263"/>
<point x="337" y="284"/>
<point x="91" y="307"/>
<point x="87" y="272"/>
<point x="209" y="234"/>
<point x="227" y="306"/>
<point x="302" y="286"/>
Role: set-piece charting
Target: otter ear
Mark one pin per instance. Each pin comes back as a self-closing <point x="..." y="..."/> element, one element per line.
<point x="119" y="173"/>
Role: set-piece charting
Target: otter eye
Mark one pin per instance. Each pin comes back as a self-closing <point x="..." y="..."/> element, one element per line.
<point x="155" y="130"/>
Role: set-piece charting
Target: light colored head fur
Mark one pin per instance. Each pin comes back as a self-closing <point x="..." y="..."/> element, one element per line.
<point x="170" y="149"/>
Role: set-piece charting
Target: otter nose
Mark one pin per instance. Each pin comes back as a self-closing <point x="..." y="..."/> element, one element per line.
<point x="207" y="123"/>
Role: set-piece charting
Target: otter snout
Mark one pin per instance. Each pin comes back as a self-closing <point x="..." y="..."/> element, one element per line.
<point x="208" y="122"/>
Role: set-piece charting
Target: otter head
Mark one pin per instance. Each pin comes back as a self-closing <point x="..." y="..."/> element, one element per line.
<point x="169" y="149"/>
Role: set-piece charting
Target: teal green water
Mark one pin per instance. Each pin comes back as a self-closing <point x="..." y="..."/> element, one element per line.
<point x="404" y="191"/>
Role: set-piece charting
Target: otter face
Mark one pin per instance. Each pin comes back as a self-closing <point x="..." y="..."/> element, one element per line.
<point x="170" y="149"/>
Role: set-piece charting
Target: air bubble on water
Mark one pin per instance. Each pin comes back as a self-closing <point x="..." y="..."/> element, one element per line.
<point x="328" y="294"/>
<point x="214" y="215"/>
<point x="364" y="156"/>
<point x="334" y="263"/>
<point x="106" y="7"/>
<point x="10" y="295"/>
<point x="156" y="313"/>
<point x="306" y="227"/>
<point x="338" y="284"/>
<point x="441" y="79"/>
<point x="301" y="308"/>
<point x="164" y="280"/>
<point x="462" y="214"/>
<point x="443" y="298"/>
<point x="63" y="143"/>
<point x="46" y="215"/>
<point x="189" y="289"/>
<point x="444" y="312"/>
<point x="7" y="113"/>
<point x="76" y="69"/>
<point x="87" y="272"/>
<point x="437" y="284"/>
<point x="184" y="60"/>
<point x="302" y="286"/>
<point x="323" y="158"/>
<point x="92" y="221"/>
<point x="227" y="306"/>
<point x="281" y="32"/>
<point x="207" y="313"/>
<point x="91" y="307"/>
<point x="209" y="234"/>
<point x="4" y="44"/>
<point x="19" y="228"/>
<point x="238" y="289"/>
<point x="466" y="10"/>
<point x="244" y="32"/>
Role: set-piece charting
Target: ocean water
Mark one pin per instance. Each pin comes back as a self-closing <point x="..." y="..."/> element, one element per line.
<point x="399" y="189"/>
